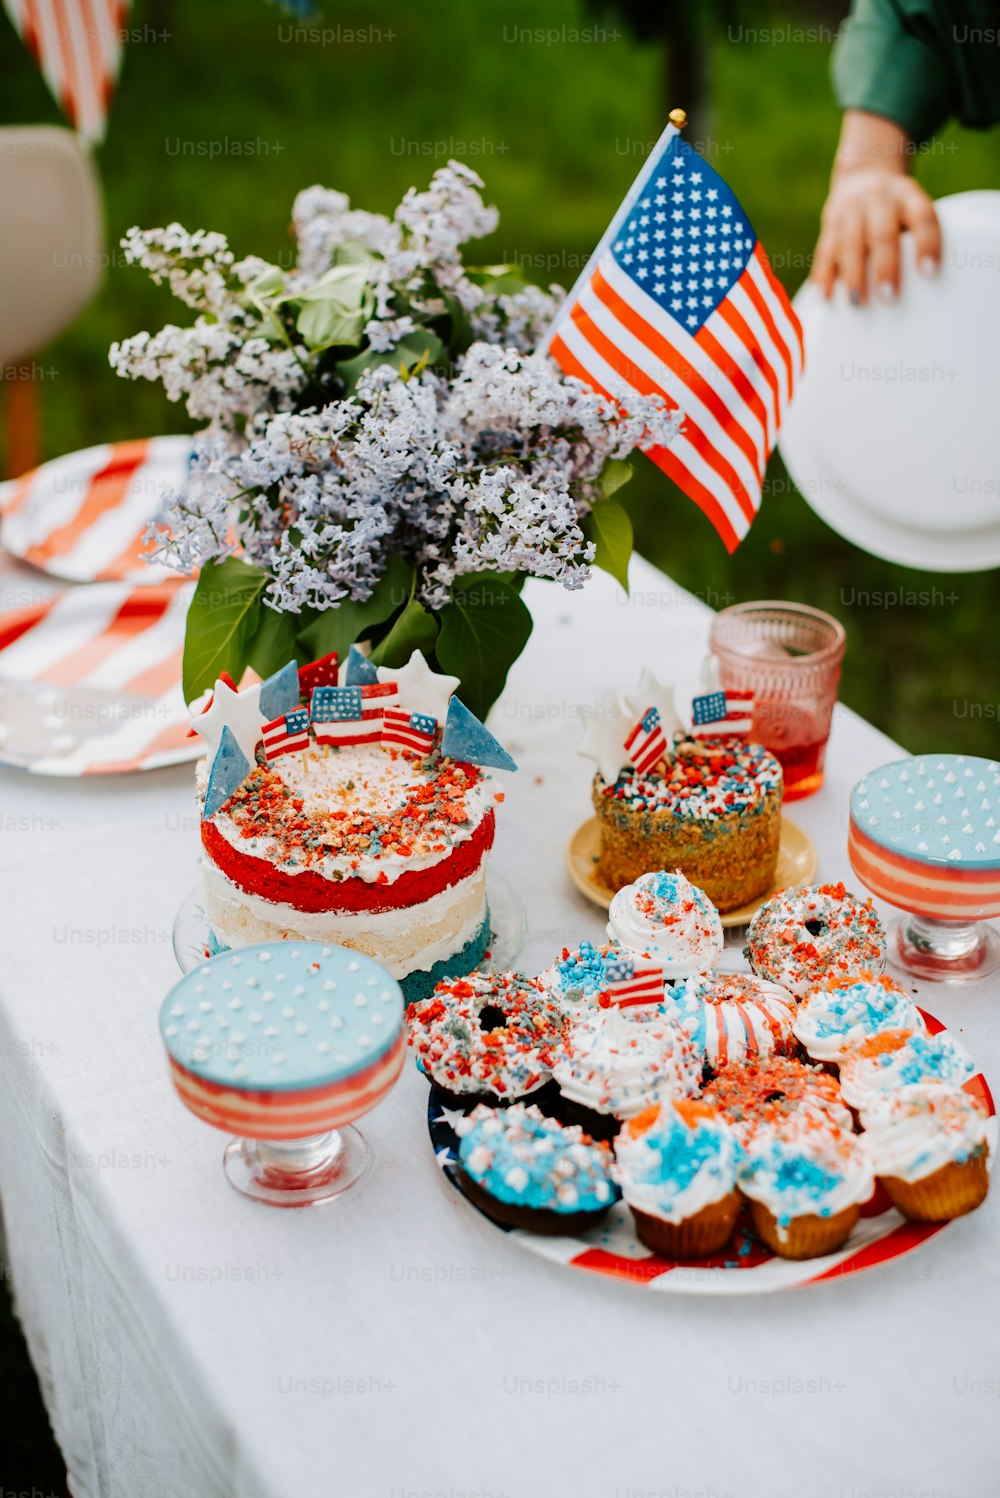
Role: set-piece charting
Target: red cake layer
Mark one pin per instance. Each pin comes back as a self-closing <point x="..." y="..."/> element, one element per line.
<point x="309" y="890"/>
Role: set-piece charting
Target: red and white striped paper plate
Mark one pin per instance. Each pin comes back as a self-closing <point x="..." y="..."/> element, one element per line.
<point x="82" y="517"/>
<point x="746" y="1267"/>
<point x="90" y="681"/>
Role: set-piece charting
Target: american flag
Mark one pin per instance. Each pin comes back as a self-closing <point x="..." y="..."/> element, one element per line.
<point x="646" y="743"/>
<point x="409" y="730"/>
<point x="679" y="299"/>
<point x="286" y="734"/>
<point x="628" y="983"/>
<point x="351" y="715"/>
<point x="722" y="712"/>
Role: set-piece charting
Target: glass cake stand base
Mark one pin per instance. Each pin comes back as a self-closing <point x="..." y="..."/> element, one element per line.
<point x="192" y="935"/>
<point x="299" y="1172"/>
<point x="944" y="951"/>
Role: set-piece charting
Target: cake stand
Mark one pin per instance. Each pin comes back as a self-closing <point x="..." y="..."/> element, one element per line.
<point x="284" y="1045"/>
<point x="925" y="836"/>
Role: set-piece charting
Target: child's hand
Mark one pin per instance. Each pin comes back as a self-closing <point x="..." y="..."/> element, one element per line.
<point x="867" y="210"/>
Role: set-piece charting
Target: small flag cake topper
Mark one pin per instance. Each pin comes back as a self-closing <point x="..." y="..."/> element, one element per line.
<point x="349" y="715"/>
<point x="642" y="737"/>
<point x="413" y="731"/>
<point x="629" y="984"/>
<point x="646" y="745"/>
<point x="286" y="734"/>
<point x="722" y="714"/>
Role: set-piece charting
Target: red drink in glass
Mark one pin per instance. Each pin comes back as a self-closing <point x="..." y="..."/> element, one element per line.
<point x="789" y="656"/>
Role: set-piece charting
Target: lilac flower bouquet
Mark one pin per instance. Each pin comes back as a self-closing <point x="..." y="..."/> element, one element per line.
<point x="384" y="458"/>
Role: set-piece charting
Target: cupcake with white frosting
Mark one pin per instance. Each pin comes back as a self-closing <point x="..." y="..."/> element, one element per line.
<point x="929" y="1148"/>
<point x="884" y="1063"/>
<point x="613" y="1063"/>
<point x="579" y="975"/>
<point x="676" y="1165"/>
<point x="836" y="1019"/>
<point x="665" y="917"/>
<point x="806" y="1186"/>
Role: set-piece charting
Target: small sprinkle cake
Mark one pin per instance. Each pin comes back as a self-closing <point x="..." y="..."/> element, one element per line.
<point x="363" y="839"/>
<point x="711" y="812"/>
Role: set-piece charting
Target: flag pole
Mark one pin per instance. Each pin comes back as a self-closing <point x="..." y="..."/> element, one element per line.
<point x="677" y="119"/>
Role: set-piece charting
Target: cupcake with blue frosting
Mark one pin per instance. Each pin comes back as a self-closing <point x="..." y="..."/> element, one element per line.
<point x="806" y="1185"/>
<point x="525" y="1170"/>
<point x="892" y="1059"/>
<point x="677" y="1167"/>
<point x="836" y="1019"/>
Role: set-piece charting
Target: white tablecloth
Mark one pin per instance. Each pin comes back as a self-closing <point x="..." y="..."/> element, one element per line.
<point x="192" y="1344"/>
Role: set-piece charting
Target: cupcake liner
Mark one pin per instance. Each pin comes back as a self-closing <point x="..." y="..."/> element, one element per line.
<point x="950" y="1192"/>
<point x="536" y="1219"/>
<point x="807" y="1237"/>
<point x="696" y="1237"/>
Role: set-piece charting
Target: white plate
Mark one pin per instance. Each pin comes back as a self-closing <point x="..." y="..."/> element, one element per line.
<point x="893" y="438"/>
<point x="610" y="1250"/>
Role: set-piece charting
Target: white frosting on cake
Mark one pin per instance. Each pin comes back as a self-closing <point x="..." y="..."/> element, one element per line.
<point x="406" y="940"/>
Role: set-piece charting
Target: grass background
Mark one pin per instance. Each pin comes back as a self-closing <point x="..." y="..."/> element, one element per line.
<point x="558" y="130"/>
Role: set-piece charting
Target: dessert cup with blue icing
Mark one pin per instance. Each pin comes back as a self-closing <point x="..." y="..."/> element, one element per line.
<point x="663" y="916"/>
<point x="526" y="1170"/>
<point x="925" y="836"/>
<point x="284" y="1045"/>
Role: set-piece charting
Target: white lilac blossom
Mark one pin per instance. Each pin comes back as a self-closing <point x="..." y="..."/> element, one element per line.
<point x="484" y="456"/>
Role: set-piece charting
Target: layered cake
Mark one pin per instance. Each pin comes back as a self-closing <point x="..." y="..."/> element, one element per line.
<point x="348" y="821"/>
<point x="710" y="812"/>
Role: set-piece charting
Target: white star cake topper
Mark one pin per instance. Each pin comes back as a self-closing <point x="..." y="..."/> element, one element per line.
<point x="237" y="710"/>
<point x="421" y="690"/>
<point x="607" y="728"/>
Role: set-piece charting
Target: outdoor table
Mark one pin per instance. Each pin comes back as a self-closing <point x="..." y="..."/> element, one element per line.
<point x="191" y="1343"/>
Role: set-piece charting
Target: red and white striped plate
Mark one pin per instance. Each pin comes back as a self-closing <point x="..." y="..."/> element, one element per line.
<point x="90" y="681"/>
<point x="746" y="1267"/>
<point x="82" y="517"/>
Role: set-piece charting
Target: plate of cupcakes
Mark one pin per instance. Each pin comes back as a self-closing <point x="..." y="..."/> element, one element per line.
<point x="634" y="1112"/>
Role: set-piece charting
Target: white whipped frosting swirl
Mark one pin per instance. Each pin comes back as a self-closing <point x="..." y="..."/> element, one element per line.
<point x="664" y="916"/>
<point x="834" y="1020"/>
<point x="879" y="1068"/>
<point x="923" y="1127"/>
<point x="622" y="1061"/>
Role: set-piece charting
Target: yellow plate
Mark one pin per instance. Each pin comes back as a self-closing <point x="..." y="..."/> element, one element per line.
<point x="797" y="863"/>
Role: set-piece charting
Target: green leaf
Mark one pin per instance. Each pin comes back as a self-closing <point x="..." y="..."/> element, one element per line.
<point x="223" y="618"/>
<point x="614" y="474"/>
<point x="415" y="629"/>
<point x="610" y="529"/>
<point x="483" y="631"/>
<point x="421" y="347"/>
<point x="334" y="311"/>
<point x="273" y="645"/>
<point x="341" y="627"/>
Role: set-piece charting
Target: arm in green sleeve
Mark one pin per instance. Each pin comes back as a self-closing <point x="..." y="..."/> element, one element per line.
<point x="886" y="62"/>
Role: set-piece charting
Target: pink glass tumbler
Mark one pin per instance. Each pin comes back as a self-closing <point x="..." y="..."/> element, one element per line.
<point x="789" y="656"/>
